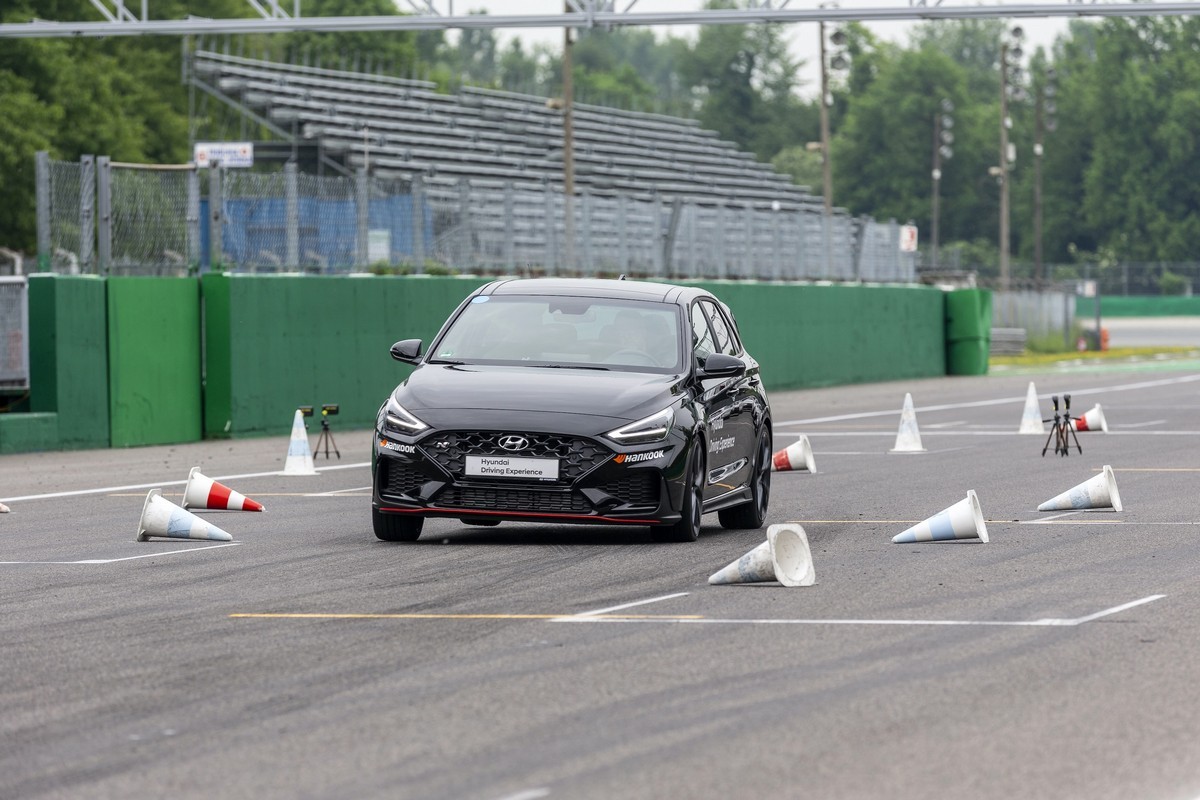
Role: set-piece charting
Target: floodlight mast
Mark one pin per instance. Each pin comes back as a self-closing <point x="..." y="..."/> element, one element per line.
<point x="592" y="13"/>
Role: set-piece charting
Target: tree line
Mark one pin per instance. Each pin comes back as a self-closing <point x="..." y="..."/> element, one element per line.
<point x="1119" y="111"/>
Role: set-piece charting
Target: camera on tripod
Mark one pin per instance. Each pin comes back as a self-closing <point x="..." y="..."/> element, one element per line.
<point x="1062" y="429"/>
<point x="326" y="437"/>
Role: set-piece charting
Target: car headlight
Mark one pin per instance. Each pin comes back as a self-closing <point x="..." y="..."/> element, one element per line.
<point x="653" y="428"/>
<point x="398" y="420"/>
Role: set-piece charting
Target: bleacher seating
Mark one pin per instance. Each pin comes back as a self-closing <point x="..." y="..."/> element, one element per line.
<point x="404" y="128"/>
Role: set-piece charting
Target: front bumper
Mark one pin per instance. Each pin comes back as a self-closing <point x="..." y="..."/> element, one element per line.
<point x="598" y="483"/>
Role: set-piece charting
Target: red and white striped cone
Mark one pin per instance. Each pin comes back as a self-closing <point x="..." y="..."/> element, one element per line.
<point x="161" y="517"/>
<point x="797" y="456"/>
<point x="203" y="492"/>
<point x="1091" y="421"/>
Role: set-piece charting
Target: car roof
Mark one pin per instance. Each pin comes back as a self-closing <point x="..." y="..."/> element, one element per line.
<point x="595" y="287"/>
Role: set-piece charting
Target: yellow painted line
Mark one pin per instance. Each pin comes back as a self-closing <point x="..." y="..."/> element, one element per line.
<point x="335" y="493"/>
<point x="456" y="616"/>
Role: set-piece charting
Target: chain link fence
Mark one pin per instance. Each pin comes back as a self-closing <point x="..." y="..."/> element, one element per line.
<point x="14" y="334"/>
<point x="177" y="219"/>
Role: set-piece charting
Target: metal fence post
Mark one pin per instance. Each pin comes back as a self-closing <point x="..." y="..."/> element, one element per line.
<point x="750" y="260"/>
<point x="42" y="171"/>
<point x="623" y="232"/>
<point x="87" y="212"/>
<point x="693" y="269"/>
<point x="291" y="193"/>
<point x="722" y="266"/>
<point x="465" y="243"/>
<point x="215" y="214"/>
<point x="362" y="211"/>
<point x="193" y="219"/>
<point x="658" y="236"/>
<point x="670" y="236"/>
<point x="776" y="242"/>
<point x="103" y="215"/>
<point x="589" y="267"/>
<point x="510" y="229"/>
<point x="551" y="234"/>
<point x="418" y="223"/>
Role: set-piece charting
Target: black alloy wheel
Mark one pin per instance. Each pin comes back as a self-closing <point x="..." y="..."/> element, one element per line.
<point x="753" y="513"/>
<point x="688" y="527"/>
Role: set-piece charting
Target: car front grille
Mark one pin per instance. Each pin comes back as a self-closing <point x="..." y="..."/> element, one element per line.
<point x="576" y="455"/>
<point x="513" y="499"/>
<point x="639" y="488"/>
<point x="397" y="478"/>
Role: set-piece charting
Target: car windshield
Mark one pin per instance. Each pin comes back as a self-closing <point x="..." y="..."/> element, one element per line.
<point x="566" y="332"/>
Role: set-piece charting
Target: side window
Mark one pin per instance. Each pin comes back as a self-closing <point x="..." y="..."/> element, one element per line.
<point x="702" y="341"/>
<point x="723" y="338"/>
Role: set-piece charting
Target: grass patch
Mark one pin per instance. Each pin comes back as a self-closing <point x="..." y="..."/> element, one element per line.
<point x="1097" y="356"/>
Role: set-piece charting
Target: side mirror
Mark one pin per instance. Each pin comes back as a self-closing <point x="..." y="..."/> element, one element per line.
<point x="720" y="365"/>
<point x="407" y="351"/>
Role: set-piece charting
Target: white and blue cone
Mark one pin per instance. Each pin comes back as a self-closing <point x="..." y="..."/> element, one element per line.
<point x="785" y="557"/>
<point x="1099" y="491"/>
<point x="963" y="520"/>
<point x="162" y="518"/>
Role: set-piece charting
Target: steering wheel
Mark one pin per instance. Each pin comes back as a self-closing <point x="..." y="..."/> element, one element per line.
<point x="637" y="357"/>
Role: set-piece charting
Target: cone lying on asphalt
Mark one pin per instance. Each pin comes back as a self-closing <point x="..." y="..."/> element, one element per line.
<point x="797" y="456"/>
<point x="908" y="437"/>
<point x="299" y="456"/>
<point x="1092" y="420"/>
<point x="1031" y="420"/>
<point x="1099" y="491"/>
<point x="203" y="492"/>
<point x="963" y="520"/>
<point x="783" y="557"/>
<point x="3" y="508"/>
<point x="161" y="517"/>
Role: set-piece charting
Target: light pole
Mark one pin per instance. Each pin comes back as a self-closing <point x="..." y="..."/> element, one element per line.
<point x="1045" y="120"/>
<point x="568" y="105"/>
<point x="838" y="62"/>
<point x="943" y="137"/>
<point x="1010" y="56"/>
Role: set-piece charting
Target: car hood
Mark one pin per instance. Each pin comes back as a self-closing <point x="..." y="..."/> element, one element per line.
<point x="439" y="393"/>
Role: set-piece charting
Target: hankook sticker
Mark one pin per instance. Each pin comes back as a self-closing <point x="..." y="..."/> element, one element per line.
<point x="634" y="458"/>
<point x="397" y="447"/>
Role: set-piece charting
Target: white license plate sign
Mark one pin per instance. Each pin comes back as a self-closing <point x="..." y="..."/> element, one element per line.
<point x="512" y="467"/>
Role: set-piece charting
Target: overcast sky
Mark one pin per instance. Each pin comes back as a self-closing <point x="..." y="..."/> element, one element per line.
<point x="802" y="37"/>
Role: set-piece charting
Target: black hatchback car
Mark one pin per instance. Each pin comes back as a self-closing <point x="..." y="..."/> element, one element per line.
<point x="607" y="402"/>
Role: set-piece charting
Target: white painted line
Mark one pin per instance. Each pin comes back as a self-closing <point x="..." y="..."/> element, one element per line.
<point x="984" y="403"/>
<point x="624" y="606"/>
<point x="954" y="424"/>
<point x="158" y="484"/>
<point x="1036" y="623"/>
<point x="811" y="434"/>
<point x="1044" y="520"/>
<point x="1143" y="424"/>
<point x="527" y="794"/>
<point x="130" y="558"/>
<point x="336" y="492"/>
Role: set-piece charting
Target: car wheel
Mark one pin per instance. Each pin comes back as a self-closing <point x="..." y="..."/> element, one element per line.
<point x="688" y="527"/>
<point x="753" y="513"/>
<point x="396" y="528"/>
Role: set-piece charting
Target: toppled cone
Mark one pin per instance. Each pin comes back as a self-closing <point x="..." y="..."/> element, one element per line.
<point x="963" y="520"/>
<point x="783" y="557"/>
<point x="1092" y="420"/>
<point x="3" y="508"/>
<point x="161" y="517"/>
<point x="203" y="492"/>
<point x="1099" y="491"/>
<point x="797" y="456"/>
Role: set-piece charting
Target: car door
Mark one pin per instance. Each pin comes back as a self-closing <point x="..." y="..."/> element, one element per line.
<point x="723" y="417"/>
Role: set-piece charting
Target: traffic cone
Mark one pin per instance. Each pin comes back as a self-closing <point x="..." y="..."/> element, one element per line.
<point x="908" y="437"/>
<point x="1091" y="421"/>
<point x="1099" y="491"/>
<point x="299" y="456"/>
<point x="161" y="517"/>
<point x="783" y="557"/>
<point x="1031" y="420"/>
<point x="3" y="508"/>
<point x="797" y="456"/>
<point x="963" y="520"/>
<point x="203" y="492"/>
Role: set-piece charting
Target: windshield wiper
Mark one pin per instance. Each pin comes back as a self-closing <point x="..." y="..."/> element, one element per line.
<point x="566" y="366"/>
<point x="445" y="361"/>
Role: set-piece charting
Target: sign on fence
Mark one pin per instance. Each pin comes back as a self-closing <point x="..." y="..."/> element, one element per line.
<point x="908" y="238"/>
<point x="228" y="154"/>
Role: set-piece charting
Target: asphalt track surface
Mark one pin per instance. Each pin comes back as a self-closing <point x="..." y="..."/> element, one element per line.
<point x="308" y="660"/>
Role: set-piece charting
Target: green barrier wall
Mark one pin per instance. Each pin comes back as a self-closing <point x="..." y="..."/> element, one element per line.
<point x="154" y="360"/>
<point x="814" y="335"/>
<point x="1085" y="307"/>
<point x="68" y="363"/>
<point x="968" y="331"/>
<point x="277" y="342"/>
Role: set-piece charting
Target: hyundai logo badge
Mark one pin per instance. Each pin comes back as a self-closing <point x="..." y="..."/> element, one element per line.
<point x="513" y="443"/>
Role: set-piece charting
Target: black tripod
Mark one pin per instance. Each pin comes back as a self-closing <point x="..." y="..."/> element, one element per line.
<point x="327" y="437"/>
<point x="1061" y="429"/>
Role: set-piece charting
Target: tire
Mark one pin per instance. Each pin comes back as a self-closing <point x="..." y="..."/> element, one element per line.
<point x="753" y="513"/>
<point x="688" y="527"/>
<point x="396" y="528"/>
